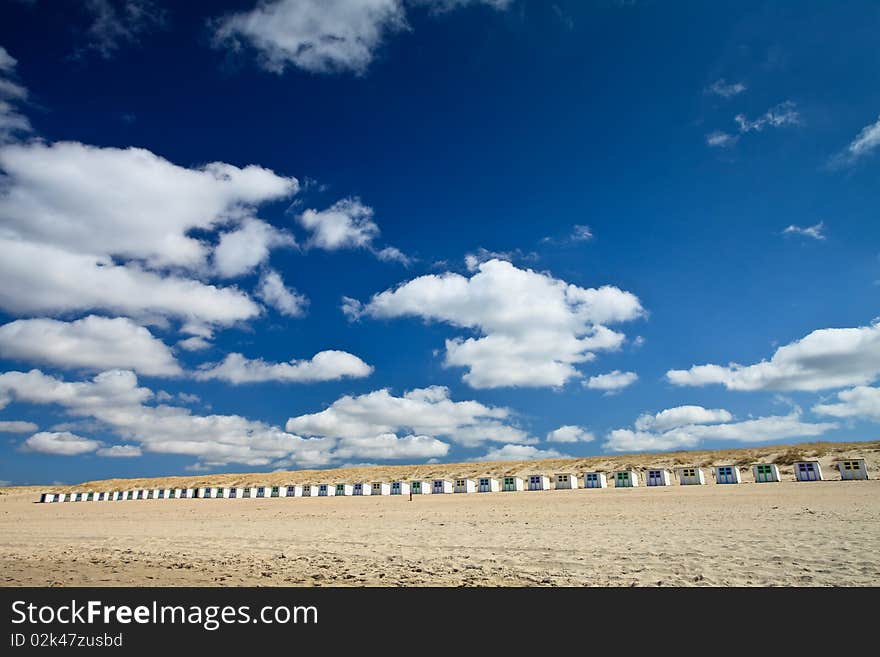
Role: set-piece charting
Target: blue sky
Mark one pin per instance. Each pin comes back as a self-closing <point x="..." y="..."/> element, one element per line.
<point x="308" y="234"/>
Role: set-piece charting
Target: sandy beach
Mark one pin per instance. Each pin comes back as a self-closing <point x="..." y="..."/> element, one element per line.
<point x="788" y="533"/>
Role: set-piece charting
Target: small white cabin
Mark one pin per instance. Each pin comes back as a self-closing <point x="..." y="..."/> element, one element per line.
<point x="60" y="497"/>
<point x="440" y="486"/>
<point x="808" y="471"/>
<point x="310" y="490"/>
<point x="293" y="491"/>
<point x="159" y="494"/>
<point x="657" y="477"/>
<point x="116" y="495"/>
<point x="326" y="490"/>
<point x="595" y="480"/>
<point x="399" y="488"/>
<point x="691" y="477"/>
<point x="90" y="496"/>
<point x="488" y="485"/>
<point x="45" y="498"/>
<point x="727" y="474"/>
<point x="261" y="491"/>
<point x="275" y="491"/>
<point x="343" y="489"/>
<point x="381" y="488"/>
<point x="566" y="480"/>
<point x="464" y="486"/>
<point x="188" y="493"/>
<point x="361" y="488"/>
<point x="420" y="487"/>
<point x="765" y="472"/>
<point x="853" y="469"/>
<point x="512" y="484"/>
<point x="207" y="493"/>
<point x="539" y="482"/>
<point x="142" y="494"/>
<point x="626" y="479"/>
<point x="246" y="492"/>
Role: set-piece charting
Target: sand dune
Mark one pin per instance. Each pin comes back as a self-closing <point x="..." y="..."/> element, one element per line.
<point x="783" y="455"/>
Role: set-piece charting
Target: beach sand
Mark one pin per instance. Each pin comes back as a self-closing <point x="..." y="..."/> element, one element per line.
<point x="791" y="534"/>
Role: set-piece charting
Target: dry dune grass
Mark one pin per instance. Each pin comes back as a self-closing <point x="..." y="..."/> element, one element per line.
<point x="783" y="455"/>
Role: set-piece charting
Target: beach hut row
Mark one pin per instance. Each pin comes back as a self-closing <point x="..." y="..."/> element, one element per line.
<point x="687" y="476"/>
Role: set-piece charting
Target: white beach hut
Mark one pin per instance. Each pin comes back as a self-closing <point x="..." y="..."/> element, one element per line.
<point x="142" y="494"/>
<point x="344" y="489"/>
<point x="233" y="493"/>
<point x="159" y="494"/>
<point x="189" y="493"/>
<point x="60" y="497"/>
<point x="512" y="484"/>
<point x="399" y="488"/>
<point x="727" y="474"/>
<point x="595" y="480"/>
<point x="853" y="469"/>
<point x="539" y="482"/>
<point x="462" y="485"/>
<point x="326" y="490"/>
<point x="361" y="488"/>
<point x="626" y="479"/>
<point x="658" y="477"/>
<point x="765" y="472"/>
<point x="691" y="477"/>
<point x="206" y="492"/>
<point x="566" y="480"/>
<point x="807" y="471"/>
<point x="488" y="485"/>
<point x="310" y="490"/>
<point x="90" y="496"/>
<point x="381" y="488"/>
<point x="293" y="491"/>
<point x="173" y="493"/>
<point x="103" y="496"/>
<point x="261" y="491"/>
<point x="45" y="498"/>
<point x="275" y="491"/>
<point x="440" y="486"/>
<point x="247" y="492"/>
<point x="116" y="495"/>
<point x="420" y="487"/>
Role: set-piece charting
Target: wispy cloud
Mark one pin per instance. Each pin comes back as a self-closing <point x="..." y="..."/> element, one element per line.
<point x="864" y="143"/>
<point x="724" y="89"/>
<point x="781" y="115"/>
<point x="719" y="139"/>
<point x="816" y="231"/>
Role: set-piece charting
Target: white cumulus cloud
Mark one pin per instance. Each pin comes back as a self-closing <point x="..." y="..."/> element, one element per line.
<point x="92" y="343"/>
<point x="329" y="365"/>
<point x="569" y="433"/>
<point x="17" y="426"/>
<point x="861" y="402"/>
<point x="825" y="358"/>
<point x="423" y="411"/>
<point x="518" y="453"/>
<point x="532" y="329"/>
<point x="612" y="381"/>
<point x="272" y="291"/>
<point x="668" y="429"/>
<point x="62" y="443"/>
